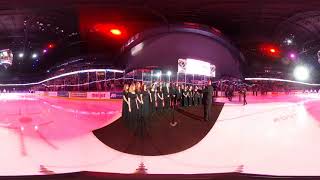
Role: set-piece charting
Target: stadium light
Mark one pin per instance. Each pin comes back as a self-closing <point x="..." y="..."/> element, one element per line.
<point x="169" y="75"/>
<point x="34" y="55"/>
<point x="51" y="45"/>
<point x="301" y="73"/>
<point x="158" y="74"/>
<point x="272" y="50"/>
<point x="20" y="55"/>
<point x="115" y="31"/>
<point x="292" y="55"/>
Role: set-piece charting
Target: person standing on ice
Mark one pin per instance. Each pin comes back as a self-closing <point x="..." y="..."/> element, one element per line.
<point x="244" y="93"/>
<point x="207" y="101"/>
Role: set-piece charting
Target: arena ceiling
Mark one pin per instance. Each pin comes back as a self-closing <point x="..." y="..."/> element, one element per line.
<point x="34" y="23"/>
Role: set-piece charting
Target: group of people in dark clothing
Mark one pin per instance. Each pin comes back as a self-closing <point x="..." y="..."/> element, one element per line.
<point x="140" y="100"/>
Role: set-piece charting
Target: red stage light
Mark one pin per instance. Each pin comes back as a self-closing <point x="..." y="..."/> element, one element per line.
<point x="111" y="30"/>
<point x="116" y="32"/>
<point x="50" y="45"/>
<point x="272" y="50"/>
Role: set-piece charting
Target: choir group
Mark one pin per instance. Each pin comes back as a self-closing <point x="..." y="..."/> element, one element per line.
<point x="140" y="100"/>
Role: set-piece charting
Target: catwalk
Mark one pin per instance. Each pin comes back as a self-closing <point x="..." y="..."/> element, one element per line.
<point x="274" y="135"/>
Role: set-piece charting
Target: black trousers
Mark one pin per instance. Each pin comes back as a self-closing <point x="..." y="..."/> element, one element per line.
<point x="245" y="100"/>
<point x="207" y="111"/>
<point x="173" y="101"/>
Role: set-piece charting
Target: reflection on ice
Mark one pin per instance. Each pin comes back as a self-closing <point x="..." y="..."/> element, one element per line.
<point x="17" y="96"/>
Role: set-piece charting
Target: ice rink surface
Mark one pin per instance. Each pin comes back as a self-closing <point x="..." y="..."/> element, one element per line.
<point x="274" y="135"/>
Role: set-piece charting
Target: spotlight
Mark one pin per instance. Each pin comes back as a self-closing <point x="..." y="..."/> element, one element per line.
<point x="158" y="74"/>
<point x="288" y="41"/>
<point x="116" y="32"/>
<point x="34" y="55"/>
<point x="292" y="55"/>
<point x="45" y="51"/>
<point x="169" y="73"/>
<point x="51" y="45"/>
<point x="272" y="50"/>
<point x="20" y="55"/>
<point x="301" y="73"/>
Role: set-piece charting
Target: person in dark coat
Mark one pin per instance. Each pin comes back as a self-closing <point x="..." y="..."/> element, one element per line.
<point x="190" y="96"/>
<point x="160" y="99"/>
<point x="145" y="103"/>
<point x="167" y="96"/>
<point x="207" y="101"/>
<point x="185" y="95"/>
<point x="144" y="118"/>
<point x="173" y="95"/>
<point x="255" y="90"/>
<point x="178" y="96"/>
<point x="244" y="93"/>
<point x="201" y="95"/>
<point x="133" y="108"/>
<point x="153" y="98"/>
<point x="196" y="96"/>
<point x="139" y="98"/>
<point x="215" y="89"/>
<point x="125" y="104"/>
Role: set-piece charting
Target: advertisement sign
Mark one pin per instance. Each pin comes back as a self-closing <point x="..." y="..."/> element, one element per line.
<point x="98" y="95"/>
<point x="116" y="95"/>
<point x="78" y="94"/>
<point x="63" y="93"/>
<point x="52" y="94"/>
<point x="40" y="93"/>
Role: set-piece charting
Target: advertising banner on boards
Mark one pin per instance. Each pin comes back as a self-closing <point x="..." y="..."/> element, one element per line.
<point x="116" y="95"/>
<point x="63" y="93"/>
<point x="98" y="95"/>
<point x="78" y="94"/>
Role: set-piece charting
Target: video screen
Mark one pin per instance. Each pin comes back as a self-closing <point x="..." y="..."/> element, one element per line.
<point x="196" y="67"/>
<point x="6" y="57"/>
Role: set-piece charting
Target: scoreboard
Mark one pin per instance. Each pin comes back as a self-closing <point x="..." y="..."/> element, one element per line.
<point x="196" y="67"/>
<point x="6" y="57"/>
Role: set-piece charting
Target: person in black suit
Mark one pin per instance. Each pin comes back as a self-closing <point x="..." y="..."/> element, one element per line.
<point x="173" y="95"/>
<point x="167" y="95"/>
<point x="185" y="95"/>
<point x="160" y="99"/>
<point x="244" y="93"/>
<point x="153" y="98"/>
<point x="178" y="96"/>
<point x="207" y="101"/>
